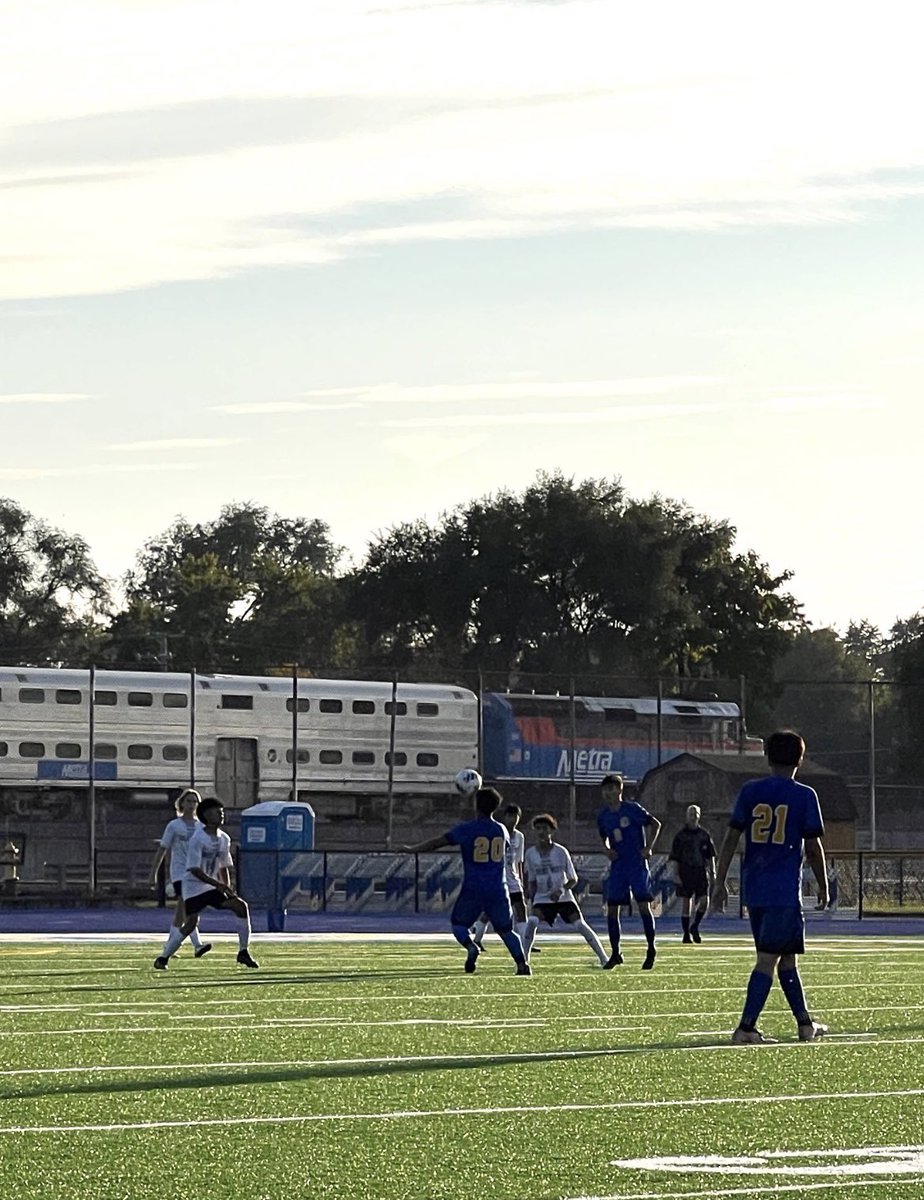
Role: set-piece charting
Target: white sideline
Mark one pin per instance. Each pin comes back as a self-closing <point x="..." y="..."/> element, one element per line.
<point x="749" y="1192"/>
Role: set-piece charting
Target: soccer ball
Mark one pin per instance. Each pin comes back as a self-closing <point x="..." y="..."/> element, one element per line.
<point x="467" y="782"/>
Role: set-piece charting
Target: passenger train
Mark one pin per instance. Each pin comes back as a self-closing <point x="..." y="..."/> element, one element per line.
<point x="236" y="736"/>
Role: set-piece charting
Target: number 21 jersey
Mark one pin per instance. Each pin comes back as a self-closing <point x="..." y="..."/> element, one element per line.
<point x="776" y="815"/>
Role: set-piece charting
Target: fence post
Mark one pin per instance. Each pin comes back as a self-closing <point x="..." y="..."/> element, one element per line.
<point x="860" y="886"/>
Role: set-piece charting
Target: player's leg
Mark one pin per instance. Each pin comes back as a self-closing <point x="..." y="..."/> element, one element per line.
<point x="241" y="911"/>
<point x="575" y="919"/>
<point x="175" y="940"/>
<point x="518" y="906"/>
<point x="685" y="909"/>
<point x="791" y="981"/>
<point x="760" y="981"/>
<point x="614" y="930"/>
<point x="179" y="919"/>
<point x="500" y="915"/>
<point x="465" y="912"/>
<point x="479" y="929"/>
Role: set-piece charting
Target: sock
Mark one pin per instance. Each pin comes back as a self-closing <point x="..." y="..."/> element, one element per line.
<point x="463" y="936"/>
<point x="685" y="924"/>
<point x="615" y="932"/>
<point x="512" y="941"/>
<point x="759" y="986"/>
<point x="478" y="930"/>
<point x="195" y="939"/>
<point x="172" y="944"/>
<point x="648" y="924"/>
<point x="521" y="927"/>
<point x="531" y="926"/>
<point x="591" y="939"/>
<point x="243" y="931"/>
<point x="700" y="913"/>
<point x="791" y="984"/>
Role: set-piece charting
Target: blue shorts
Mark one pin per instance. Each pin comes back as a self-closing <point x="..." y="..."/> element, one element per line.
<point x="470" y="904"/>
<point x="778" y="930"/>
<point x="623" y="880"/>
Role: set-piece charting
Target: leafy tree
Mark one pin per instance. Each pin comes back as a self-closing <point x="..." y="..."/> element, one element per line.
<point x="51" y="595"/>
<point x="572" y="579"/>
<point x="244" y="592"/>
<point x="907" y="651"/>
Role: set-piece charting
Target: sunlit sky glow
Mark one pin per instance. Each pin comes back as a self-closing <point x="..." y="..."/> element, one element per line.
<point x="363" y="260"/>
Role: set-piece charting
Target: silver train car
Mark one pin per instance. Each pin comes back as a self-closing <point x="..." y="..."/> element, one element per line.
<point x="230" y="736"/>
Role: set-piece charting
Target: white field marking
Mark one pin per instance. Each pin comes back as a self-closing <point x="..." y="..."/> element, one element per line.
<point x="695" y="1102"/>
<point x="748" y="1192"/>
<point x="865" y="1160"/>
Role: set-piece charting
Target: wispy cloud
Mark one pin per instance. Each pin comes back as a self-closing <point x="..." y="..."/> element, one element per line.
<point x="600" y="416"/>
<point x="92" y="469"/>
<point x="275" y="407"/>
<point x="175" y="444"/>
<point x="236" y="167"/>
<point x="42" y="397"/>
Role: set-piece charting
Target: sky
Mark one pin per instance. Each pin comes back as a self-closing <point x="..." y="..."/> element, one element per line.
<point x="365" y="260"/>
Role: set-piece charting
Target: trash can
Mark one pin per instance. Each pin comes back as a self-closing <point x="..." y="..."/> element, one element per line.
<point x="272" y="832"/>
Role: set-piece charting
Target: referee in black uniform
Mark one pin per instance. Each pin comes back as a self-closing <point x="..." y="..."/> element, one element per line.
<point x="693" y="856"/>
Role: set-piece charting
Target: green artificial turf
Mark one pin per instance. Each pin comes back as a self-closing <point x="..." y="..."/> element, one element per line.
<point x="358" y="1068"/>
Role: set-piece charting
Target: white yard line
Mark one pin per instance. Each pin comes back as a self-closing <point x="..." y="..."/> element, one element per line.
<point x="751" y="1193"/>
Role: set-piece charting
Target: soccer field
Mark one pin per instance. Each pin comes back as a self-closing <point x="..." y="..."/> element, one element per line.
<point x="357" y="1068"/>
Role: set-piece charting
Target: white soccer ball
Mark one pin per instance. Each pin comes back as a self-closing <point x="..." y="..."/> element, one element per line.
<point x="467" y="782"/>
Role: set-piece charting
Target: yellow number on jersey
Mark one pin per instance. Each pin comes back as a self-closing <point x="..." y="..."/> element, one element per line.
<point x="488" y="850"/>
<point x="763" y="818"/>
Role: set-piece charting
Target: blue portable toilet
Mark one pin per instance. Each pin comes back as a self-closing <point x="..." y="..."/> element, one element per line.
<point x="271" y="833"/>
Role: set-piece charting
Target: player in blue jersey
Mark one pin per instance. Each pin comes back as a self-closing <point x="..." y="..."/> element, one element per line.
<point x="483" y="843"/>
<point x="628" y="833"/>
<point x="781" y="822"/>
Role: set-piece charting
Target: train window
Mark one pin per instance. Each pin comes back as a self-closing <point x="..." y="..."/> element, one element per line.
<point x="331" y="706"/>
<point x="302" y="704"/>
<point x="140" y="751"/>
<point x="175" y="700"/>
<point x="67" y="750"/>
<point x="4" y="749"/>
<point x="428" y="760"/>
<point x="104" y="750"/>
<point x="623" y="715"/>
<point x="175" y="754"/>
<point x="332" y="757"/>
<point x="399" y="757"/>
<point x="401" y="710"/>
<point x="107" y="698"/>
<point x="363" y="707"/>
<point x="239" y="703"/>
<point x="428" y="710"/>
<point x="303" y="756"/>
<point x="68" y="696"/>
<point x="140" y="699"/>
<point x="31" y="695"/>
<point x="363" y="756"/>
<point x="31" y="749"/>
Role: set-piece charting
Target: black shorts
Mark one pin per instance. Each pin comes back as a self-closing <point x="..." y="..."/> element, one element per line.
<point x="693" y="884"/>
<point x="213" y="898"/>
<point x="566" y="909"/>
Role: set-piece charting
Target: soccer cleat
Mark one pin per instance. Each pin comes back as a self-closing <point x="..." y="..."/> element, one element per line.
<point x="614" y="960"/>
<point x="687" y="939"/>
<point x="161" y="963"/>
<point x="649" y="959"/>
<point x="751" y="1037"/>
<point x="523" y="968"/>
<point x="245" y="959"/>
<point x="695" y="935"/>
<point x="812" y="1031"/>
<point x="471" y="958"/>
<point x="536" y="950"/>
<point x="203" y="949"/>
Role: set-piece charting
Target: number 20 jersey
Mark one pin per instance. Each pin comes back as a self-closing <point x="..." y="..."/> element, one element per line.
<point x="483" y="843"/>
<point x="776" y="815"/>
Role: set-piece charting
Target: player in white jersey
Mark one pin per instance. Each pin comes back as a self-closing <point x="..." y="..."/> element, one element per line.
<point x="207" y="884"/>
<point x="550" y="877"/>
<point x="513" y="871"/>
<point x="173" y="842"/>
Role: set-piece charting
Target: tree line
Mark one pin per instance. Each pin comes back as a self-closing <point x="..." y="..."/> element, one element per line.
<point x="568" y="579"/>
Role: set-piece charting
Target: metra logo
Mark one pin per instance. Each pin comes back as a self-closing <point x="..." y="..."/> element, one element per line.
<point x="586" y="762"/>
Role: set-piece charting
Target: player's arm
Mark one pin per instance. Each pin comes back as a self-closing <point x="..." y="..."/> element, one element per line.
<point x="217" y="882"/>
<point x="650" y="835"/>
<point x="434" y="843"/>
<point x="158" y="859"/>
<point x="726" y="855"/>
<point x="815" y="853"/>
